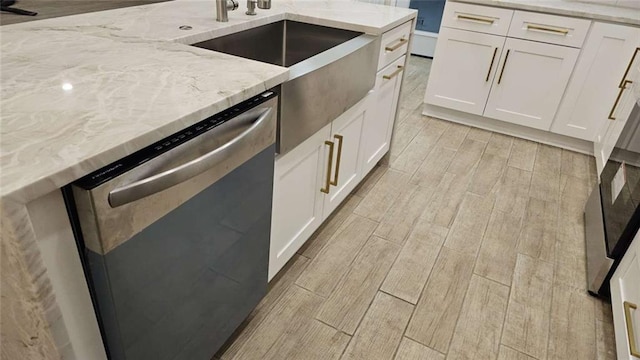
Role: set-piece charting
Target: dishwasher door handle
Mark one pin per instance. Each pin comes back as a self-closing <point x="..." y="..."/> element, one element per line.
<point x="166" y="179"/>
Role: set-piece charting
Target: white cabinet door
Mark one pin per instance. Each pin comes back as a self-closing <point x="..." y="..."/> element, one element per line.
<point x="613" y="128"/>
<point x="530" y="83"/>
<point x="625" y="301"/>
<point x="346" y="133"/>
<point x="297" y="200"/>
<point x="382" y="103"/>
<point x="594" y="85"/>
<point x="463" y="68"/>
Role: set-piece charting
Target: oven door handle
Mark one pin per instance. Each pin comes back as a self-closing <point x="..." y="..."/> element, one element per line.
<point x="166" y="179"/>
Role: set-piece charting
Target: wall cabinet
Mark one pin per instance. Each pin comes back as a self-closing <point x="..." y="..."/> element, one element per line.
<point x="625" y="302"/>
<point x="530" y="82"/>
<point x="463" y="70"/>
<point x="588" y="102"/>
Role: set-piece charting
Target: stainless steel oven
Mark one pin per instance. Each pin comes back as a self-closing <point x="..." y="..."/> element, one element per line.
<point x="612" y="215"/>
<point x="175" y="237"/>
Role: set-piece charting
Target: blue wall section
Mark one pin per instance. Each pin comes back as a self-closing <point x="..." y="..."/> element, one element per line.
<point x="429" y="14"/>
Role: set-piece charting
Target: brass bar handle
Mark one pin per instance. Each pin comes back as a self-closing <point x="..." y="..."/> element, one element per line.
<point x="615" y="104"/>
<point x="340" y="138"/>
<point x="626" y="72"/>
<point x="493" y="58"/>
<point x="393" y="74"/>
<point x="476" y="18"/>
<point x="633" y="348"/>
<point x="504" y="65"/>
<point x="400" y="42"/>
<point x="327" y="182"/>
<point x="548" y="29"/>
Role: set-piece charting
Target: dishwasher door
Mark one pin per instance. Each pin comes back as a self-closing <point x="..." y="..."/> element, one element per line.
<point x="173" y="273"/>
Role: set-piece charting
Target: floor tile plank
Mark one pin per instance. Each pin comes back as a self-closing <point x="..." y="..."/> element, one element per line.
<point x="410" y="272"/>
<point x="376" y="203"/>
<point x="320" y="342"/>
<point x="572" y="331"/>
<point x="321" y="237"/>
<point x="411" y="350"/>
<point x="381" y="330"/>
<point x="421" y="145"/>
<point x="500" y="145"/>
<point x="333" y="261"/>
<point x="467" y="156"/>
<point x="433" y="168"/>
<point x="436" y="313"/>
<point x="349" y="301"/>
<point x="497" y="257"/>
<point x="538" y="237"/>
<point x="288" y="319"/>
<point x="526" y="326"/>
<point x="453" y="136"/>
<point x="523" y="154"/>
<point x="512" y="194"/>
<point x="477" y="334"/>
<point x="489" y="172"/>
<point x="397" y="223"/>
<point x="510" y="354"/>
<point x="470" y="223"/>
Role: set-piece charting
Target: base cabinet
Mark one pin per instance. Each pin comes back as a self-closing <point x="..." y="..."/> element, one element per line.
<point x="379" y="119"/>
<point x="595" y="84"/>
<point x="311" y="181"/>
<point x="463" y="69"/>
<point x="530" y="83"/>
<point x="625" y="302"/>
<point x="297" y="200"/>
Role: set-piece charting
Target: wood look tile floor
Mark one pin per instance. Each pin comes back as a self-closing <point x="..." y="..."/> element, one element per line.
<point x="461" y="244"/>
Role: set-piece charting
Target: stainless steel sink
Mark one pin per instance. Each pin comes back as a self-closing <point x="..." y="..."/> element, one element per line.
<point x="330" y="71"/>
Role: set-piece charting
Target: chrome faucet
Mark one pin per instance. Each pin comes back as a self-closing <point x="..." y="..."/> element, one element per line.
<point x="222" y="6"/>
<point x="262" y="4"/>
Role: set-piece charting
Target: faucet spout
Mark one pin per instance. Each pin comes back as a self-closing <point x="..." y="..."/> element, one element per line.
<point x="222" y="7"/>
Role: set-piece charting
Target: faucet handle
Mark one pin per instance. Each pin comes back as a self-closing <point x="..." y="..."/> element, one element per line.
<point x="264" y="4"/>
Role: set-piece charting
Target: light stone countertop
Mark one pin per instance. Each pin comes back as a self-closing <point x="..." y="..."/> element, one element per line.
<point x="134" y="82"/>
<point x="623" y="15"/>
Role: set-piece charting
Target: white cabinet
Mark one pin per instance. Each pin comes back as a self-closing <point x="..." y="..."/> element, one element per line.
<point x="346" y="133"/>
<point x="379" y="119"/>
<point x="530" y="83"/>
<point x="625" y="301"/>
<point x="297" y="200"/>
<point x="594" y="86"/>
<point x="310" y="182"/>
<point x="463" y="68"/>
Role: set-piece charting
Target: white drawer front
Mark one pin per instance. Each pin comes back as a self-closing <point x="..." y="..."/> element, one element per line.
<point x="394" y="44"/>
<point x="484" y="19"/>
<point x="549" y="28"/>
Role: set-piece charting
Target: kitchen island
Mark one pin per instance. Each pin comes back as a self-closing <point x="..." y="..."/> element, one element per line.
<point x="82" y="91"/>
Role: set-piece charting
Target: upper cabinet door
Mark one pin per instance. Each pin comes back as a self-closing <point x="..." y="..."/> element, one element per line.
<point x="594" y="86"/>
<point x="530" y="82"/>
<point x="463" y="69"/>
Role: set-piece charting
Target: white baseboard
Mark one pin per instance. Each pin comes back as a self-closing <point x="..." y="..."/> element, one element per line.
<point x="545" y="137"/>
<point x="424" y="43"/>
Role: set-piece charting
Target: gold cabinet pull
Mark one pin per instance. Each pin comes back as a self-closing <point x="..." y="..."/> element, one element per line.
<point x="615" y="104"/>
<point x="504" y="65"/>
<point x="327" y="182"/>
<point x="493" y="58"/>
<point x="393" y="74"/>
<point x="626" y="72"/>
<point x="476" y="18"/>
<point x="400" y="42"/>
<point x="339" y="138"/>
<point x="547" y="29"/>
<point x="633" y="347"/>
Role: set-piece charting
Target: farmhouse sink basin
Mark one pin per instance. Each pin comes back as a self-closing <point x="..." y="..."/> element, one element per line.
<point x="330" y="70"/>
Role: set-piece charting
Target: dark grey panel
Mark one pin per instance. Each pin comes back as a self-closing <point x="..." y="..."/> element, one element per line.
<point x="180" y="287"/>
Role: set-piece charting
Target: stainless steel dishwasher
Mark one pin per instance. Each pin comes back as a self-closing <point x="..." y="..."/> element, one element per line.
<point x="174" y="238"/>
